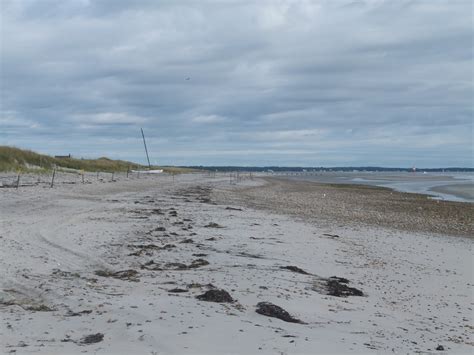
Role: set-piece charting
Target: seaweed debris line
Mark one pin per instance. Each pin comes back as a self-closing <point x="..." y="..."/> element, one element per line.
<point x="271" y="310"/>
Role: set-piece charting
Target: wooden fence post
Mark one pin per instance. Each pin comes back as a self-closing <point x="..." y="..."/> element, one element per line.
<point x="52" y="179"/>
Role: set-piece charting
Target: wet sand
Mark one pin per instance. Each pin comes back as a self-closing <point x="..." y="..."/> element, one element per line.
<point x="465" y="191"/>
<point x="133" y="266"/>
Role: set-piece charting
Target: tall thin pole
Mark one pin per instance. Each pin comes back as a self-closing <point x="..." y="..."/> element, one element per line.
<point x="146" y="150"/>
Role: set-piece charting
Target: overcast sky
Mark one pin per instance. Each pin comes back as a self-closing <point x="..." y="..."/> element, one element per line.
<point x="314" y="83"/>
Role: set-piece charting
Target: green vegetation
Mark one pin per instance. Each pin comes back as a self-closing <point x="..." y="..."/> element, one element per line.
<point x="15" y="159"/>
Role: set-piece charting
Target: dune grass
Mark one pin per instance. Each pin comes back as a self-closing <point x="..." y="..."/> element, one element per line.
<point x="15" y="159"/>
<point x="21" y="160"/>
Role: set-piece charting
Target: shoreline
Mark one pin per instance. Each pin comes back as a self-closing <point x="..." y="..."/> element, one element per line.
<point x="455" y="190"/>
<point x="362" y="205"/>
<point x="427" y="185"/>
<point x="128" y="260"/>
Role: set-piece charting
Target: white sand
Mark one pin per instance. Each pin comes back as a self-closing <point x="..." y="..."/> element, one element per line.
<point x="418" y="287"/>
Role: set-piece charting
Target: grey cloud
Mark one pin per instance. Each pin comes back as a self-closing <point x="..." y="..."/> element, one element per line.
<point x="380" y="82"/>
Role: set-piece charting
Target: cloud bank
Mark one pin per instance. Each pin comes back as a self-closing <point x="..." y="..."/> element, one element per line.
<point x="242" y="82"/>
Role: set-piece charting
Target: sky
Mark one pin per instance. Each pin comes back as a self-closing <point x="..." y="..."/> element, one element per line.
<point x="285" y="83"/>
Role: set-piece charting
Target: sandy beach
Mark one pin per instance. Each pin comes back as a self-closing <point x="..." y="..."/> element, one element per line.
<point x="135" y="266"/>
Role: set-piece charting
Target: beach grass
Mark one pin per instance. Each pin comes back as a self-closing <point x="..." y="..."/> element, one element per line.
<point x="21" y="160"/>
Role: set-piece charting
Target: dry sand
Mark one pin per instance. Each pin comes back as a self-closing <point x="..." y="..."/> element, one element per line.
<point x="82" y="261"/>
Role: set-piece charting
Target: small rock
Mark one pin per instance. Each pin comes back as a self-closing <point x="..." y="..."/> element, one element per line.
<point x="338" y="289"/>
<point x="220" y="296"/>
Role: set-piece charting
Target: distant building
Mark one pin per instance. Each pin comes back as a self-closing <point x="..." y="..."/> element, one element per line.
<point x="63" y="156"/>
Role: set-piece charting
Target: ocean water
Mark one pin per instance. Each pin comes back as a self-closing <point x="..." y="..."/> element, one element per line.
<point x="443" y="186"/>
